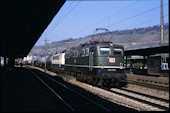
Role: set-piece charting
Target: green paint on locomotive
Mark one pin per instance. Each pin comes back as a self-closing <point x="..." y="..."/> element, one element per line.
<point x="101" y="63"/>
<point x="98" y="58"/>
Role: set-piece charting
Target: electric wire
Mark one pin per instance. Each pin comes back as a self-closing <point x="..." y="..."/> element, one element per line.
<point x="65" y="11"/>
<point x="46" y="34"/>
<point x="61" y="19"/>
<point x="118" y="12"/>
<point x="134" y="16"/>
<point x="144" y="22"/>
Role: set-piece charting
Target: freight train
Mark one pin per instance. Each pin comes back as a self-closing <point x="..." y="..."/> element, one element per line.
<point x="97" y="63"/>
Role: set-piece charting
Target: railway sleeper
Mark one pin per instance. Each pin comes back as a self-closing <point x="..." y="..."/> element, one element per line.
<point x="152" y="82"/>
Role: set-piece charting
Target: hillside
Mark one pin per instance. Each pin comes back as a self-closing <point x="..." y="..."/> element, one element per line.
<point x="128" y="38"/>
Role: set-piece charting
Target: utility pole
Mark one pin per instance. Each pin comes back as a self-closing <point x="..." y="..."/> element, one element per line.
<point x="66" y="45"/>
<point x="162" y="23"/>
<point x="56" y="48"/>
<point x="45" y="54"/>
<point x="162" y="29"/>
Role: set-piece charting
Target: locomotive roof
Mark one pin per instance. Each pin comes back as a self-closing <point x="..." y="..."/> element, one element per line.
<point x="57" y="54"/>
<point x="92" y="45"/>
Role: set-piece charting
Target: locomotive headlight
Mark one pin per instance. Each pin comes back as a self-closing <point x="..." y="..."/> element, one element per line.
<point x="111" y="44"/>
<point x="121" y="65"/>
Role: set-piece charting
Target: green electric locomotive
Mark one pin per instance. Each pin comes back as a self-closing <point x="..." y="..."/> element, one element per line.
<point x="97" y="63"/>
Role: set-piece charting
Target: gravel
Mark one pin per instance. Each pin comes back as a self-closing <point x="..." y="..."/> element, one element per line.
<point x="148" y="91"/>
<point x="115" y="98"/>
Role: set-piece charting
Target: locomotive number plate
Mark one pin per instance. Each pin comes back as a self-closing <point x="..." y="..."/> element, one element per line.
<point x="112" y="60"/>
<point x="111" y="69"/>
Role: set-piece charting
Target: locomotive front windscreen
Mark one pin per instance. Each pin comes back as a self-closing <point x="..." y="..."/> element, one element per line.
<point x="105" y="51"/>
<point x="111" y="51"/>
<point x="117" y="51"/>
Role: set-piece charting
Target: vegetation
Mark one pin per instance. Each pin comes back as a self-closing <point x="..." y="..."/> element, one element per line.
<point x="128" y="38"/>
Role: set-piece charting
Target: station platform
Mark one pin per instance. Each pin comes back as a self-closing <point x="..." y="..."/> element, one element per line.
<point x="21" y="91"/>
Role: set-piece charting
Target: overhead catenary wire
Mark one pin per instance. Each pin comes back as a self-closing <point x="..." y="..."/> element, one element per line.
<point x="61" y="19"/>
<point x="118" y="12"/>
<point x="144" y="22"/>
<point x="46" y="34"/>
<point x="134" y="16"/>
<point x="65" y="11"/>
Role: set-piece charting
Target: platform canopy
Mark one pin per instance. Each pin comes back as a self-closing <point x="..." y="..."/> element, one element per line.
<point x="23" y="22"/>
<point x="147" y="50"/>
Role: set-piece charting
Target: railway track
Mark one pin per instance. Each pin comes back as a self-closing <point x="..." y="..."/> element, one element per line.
<point x="72" y="99"/>
<point x="158" y="87"/>
<point x="153" y="103"/>
<point x="159" y="103"/>
<point x="149" y="96"/>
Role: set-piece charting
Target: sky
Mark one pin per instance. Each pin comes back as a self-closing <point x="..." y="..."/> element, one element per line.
<point x="80" y="18"/>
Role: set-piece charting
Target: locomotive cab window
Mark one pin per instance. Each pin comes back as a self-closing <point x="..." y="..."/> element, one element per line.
<point x="117" y="51"/>
<point x="105" y="51"/>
